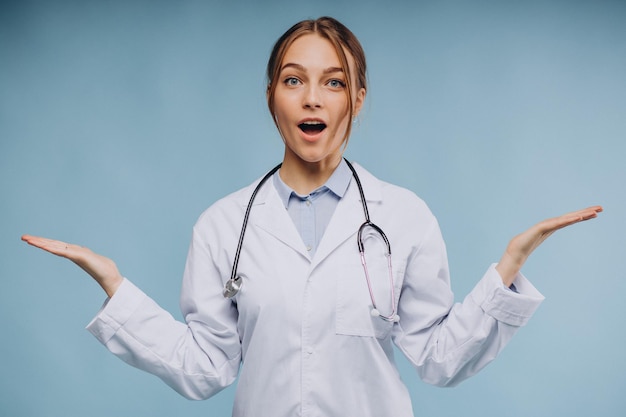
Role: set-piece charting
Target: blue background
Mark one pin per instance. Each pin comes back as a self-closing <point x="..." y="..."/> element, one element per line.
<point x="120" y="122"/>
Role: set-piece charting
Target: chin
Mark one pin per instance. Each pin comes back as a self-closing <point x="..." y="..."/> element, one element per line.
<point x="317" y="158"/>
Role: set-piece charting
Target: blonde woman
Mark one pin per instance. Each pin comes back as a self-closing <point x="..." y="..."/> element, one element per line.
<point x="301" y="283"/>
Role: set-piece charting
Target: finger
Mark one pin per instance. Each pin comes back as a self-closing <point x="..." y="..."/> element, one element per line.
<point x="42" y="242"/>
<point x="587" y="213"/>
<point x="555" y="223"/>
<point x="53" y="246"/>
<point x="591" y="212"/>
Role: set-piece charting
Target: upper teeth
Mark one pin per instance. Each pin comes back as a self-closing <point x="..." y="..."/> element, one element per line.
<point x="312" y="122"/>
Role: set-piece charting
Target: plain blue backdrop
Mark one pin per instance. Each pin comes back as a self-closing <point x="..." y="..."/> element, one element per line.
<point x="121" y="121"/>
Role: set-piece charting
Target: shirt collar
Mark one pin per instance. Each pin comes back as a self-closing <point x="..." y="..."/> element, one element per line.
<point x="337" y="183"/>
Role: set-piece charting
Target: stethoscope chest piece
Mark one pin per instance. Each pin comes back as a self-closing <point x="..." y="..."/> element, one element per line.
<point x="232" y="287"/>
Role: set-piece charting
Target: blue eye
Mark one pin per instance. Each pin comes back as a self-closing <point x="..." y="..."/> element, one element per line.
<point x="291" y="81"/>
<point x="336" y="83"/>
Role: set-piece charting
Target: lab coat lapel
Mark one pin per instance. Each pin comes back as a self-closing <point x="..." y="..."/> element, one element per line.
<point x="348" y="215"/>
<point x="269" y="214"/>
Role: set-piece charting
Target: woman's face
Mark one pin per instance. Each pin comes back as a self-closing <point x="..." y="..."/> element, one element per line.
<point x="311" y="104"/>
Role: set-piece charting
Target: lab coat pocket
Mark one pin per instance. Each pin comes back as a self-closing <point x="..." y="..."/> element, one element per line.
<point x="354" y="304"/>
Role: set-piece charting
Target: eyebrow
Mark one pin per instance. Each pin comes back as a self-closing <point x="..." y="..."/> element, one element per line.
<point x="329" y="70"/>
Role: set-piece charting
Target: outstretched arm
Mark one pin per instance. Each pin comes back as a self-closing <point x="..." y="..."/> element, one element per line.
<point x="102" y="269"/>
<point x="522" y="245"/>
<point x="197" y="358"/>
<point x="447" y="342"/>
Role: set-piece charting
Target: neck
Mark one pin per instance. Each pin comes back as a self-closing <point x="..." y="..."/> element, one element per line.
<point x="305" y="177"/>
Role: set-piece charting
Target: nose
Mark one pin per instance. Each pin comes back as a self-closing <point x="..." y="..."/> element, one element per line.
<point x="312" y="97"/>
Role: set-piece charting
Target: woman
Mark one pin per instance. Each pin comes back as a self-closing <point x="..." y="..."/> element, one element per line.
<point x="309" y="324"/>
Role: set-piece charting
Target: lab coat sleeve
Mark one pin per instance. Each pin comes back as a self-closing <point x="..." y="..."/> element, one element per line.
<point x="447" y="342"/>
<point x="197" y="358"/>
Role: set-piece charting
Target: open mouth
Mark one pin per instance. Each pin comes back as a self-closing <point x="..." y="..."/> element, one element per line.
<point x="312" y="127"/>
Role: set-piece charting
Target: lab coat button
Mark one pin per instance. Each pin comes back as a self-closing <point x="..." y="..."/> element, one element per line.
<point x="308" y="248"/>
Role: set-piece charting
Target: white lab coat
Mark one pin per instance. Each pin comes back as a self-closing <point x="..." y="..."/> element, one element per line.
<point x="301" y="327"/>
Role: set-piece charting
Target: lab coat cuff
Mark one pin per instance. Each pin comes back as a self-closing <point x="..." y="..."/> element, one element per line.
<point x="510" y="307"/>
<point x="116" y="311"/>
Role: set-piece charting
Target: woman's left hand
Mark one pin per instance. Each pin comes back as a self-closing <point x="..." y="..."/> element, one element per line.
<point x="522" y="245"/>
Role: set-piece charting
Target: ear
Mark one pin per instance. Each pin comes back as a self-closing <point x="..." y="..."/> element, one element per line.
<point x="358" y="103"/>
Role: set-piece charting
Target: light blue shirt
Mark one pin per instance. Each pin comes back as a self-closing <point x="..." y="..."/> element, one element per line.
<point x="311" y="213"/>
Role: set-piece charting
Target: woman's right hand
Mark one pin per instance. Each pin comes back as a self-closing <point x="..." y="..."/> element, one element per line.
<point x="102" y="269"/>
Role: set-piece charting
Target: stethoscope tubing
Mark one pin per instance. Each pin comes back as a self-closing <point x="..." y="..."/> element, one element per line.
<point x="235" y="281"/>
<point x="232" y="286"/>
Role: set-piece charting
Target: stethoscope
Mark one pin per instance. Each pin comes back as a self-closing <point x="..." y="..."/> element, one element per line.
<point x="233" y="285"/>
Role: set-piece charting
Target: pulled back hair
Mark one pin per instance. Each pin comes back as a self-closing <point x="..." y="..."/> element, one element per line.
<point x="344" y="42"/>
